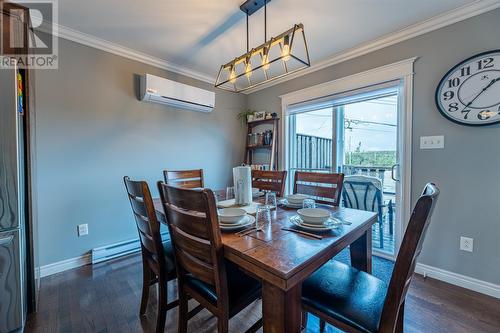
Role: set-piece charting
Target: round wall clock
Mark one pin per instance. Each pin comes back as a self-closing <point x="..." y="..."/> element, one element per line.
<point x="469" y="93"/>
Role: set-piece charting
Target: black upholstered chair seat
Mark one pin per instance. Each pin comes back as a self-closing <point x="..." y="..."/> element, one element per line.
<point x="347" y="295"/>
<point x="240" y="286"/>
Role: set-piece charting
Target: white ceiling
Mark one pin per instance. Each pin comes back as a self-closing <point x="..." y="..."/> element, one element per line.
<point x="203" y="34"/>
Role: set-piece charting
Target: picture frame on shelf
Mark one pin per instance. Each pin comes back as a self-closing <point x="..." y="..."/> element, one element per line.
<point x="259" y="115"/>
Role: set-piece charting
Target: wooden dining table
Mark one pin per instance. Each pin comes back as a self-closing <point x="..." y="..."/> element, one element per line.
<point x="282" y="259"/>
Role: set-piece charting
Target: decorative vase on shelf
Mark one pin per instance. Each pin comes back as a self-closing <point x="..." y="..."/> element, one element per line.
<point x="249" y="118"/>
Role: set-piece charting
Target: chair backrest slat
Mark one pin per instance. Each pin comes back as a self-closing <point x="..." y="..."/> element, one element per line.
<point x="325" y="187"/>
<point x="185" y="178"/>
<point x="194" y="231"/>
<point x="147" y="224"/>
<point x="406" y="260"/>
<point x="269" y="181"/>
<point x="197" y="247"/>
<point x="148" y="243"/>
<point x="196" y="267"/>
<point x="197" y="225"/>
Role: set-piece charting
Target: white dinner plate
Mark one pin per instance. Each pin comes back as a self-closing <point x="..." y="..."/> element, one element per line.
<point x="330" y="224"/>
<point x="258" y="194"/>
<point x="245" y="222"/>
<point x="285" y="203"/>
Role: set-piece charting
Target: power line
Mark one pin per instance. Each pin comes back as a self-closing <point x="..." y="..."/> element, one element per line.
<point x="356" y="121"/>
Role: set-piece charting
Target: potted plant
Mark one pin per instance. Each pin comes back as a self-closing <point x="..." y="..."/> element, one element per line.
<point x="246" y="116"/>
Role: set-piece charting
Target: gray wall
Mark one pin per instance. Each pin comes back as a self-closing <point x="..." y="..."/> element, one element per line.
<point x="92" y="131"/>
<point x="467" y="170"/>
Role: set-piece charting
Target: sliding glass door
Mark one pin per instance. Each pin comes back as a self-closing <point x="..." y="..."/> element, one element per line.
<point x="357" y="134"/>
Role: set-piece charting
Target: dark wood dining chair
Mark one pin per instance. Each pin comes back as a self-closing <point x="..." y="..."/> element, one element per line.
<point x="324" y="187"/>
<point x="269" y="181"/>
<point x="185" y="178"/>
<point x="355" y="301"/>
<point x="202" y="272"/>
<point x="157" y="254"/>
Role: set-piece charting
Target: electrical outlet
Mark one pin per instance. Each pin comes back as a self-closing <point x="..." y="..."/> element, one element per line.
<point x="83" y="230"/>
<point x="432" y="142"/>
<point x="466" y="244"/>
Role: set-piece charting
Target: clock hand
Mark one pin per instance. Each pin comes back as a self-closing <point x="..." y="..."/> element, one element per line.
<point x="481" y="92"/>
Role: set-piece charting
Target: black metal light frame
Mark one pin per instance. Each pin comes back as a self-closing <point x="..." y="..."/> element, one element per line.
<point x="250" y="7"/>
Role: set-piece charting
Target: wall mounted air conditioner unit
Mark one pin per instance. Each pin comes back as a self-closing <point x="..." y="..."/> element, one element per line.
<point x="159" y="90"/>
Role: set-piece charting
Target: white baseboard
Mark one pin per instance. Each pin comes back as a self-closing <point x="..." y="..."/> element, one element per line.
<point x="120" y="249"/>
<point x="64" y="265"/>
<point x="97" y="255"/>
<point x="124" y="248"/>
<point x="463" y="281"/>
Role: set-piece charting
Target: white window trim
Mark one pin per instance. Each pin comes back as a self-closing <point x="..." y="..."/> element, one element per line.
<point x="401" y="70"/>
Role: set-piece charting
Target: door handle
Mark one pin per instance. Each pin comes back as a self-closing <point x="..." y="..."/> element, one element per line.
<point x="393" y="172"/>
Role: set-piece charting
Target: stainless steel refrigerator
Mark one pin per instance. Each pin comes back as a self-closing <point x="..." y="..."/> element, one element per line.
<point x="13" y="247"/>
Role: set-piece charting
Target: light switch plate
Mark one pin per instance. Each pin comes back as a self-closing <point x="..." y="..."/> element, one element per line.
<point x="466" y="244"/>
<point x="432" y="142"/>
<point x="83" y="230"/>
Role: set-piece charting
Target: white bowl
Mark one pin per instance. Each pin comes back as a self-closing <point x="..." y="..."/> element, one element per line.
<point x="231" y="215"/>
<point x="296" y="199"/>
<point x="314" y="215"/>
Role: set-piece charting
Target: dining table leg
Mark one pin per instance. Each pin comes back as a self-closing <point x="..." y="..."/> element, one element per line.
<point x="361" y="252"/>
<point x="281" y="309"/>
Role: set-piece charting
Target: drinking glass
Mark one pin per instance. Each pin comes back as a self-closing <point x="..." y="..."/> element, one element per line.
<point x="229" y="192"/>
<point x="263" y="215"/>
<point x="271" y="199"/>
<point x="309" y="203"/>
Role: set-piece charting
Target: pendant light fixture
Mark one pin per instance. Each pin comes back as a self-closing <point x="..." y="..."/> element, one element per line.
<point x="277" y="57"/>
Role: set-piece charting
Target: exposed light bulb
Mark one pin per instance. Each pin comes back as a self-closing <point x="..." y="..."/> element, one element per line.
<point x="265" y="58"/>
<point x="232" y="75"/>
<point x="285" y="51"/>
<point x="248" y="68"/>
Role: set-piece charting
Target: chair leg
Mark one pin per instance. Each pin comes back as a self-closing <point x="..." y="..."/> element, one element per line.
<point x="162" y="307"/>
<point x="381" y="233"/>
<point x="223" y="324"/>
<point x="146" y="284"/>
<point x="322" y="325"/>
<point x="400" y="321"/>
<point x="183" y="314"/>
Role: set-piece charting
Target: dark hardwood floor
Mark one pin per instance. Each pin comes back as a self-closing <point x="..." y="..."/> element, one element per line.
<point x="105" y="298"/>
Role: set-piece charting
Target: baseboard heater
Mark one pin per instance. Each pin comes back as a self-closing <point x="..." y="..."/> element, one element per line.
<point x="112" y="251"/>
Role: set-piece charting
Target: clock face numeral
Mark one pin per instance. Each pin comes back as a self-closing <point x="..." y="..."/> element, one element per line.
<point x="485" y="114"/>
<point x="485" y="63"/>
<point x="465" y="113"/>
<point x="454" y="82"/>
<point x="470" y="92"/>
<point x="453" y="107"/>
<point x="465" y="71"/>
<point x="448" y="95"/>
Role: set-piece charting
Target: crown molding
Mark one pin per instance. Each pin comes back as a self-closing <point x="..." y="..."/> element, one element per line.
<point x="110" y="47"/>
<point x="473" y="9"/>
<point x="442" y="20"/>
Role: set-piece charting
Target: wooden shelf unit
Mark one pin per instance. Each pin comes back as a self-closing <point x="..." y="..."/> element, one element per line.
<point x="273" y="147"/>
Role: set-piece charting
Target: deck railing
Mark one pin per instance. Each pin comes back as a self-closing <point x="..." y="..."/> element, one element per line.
<point x="313" y="152"/>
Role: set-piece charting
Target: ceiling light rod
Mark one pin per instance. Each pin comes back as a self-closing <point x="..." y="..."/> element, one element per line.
<point x="230" y="72"/>
<point x="273" y="41"/>
<point x="250" y="7"/>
